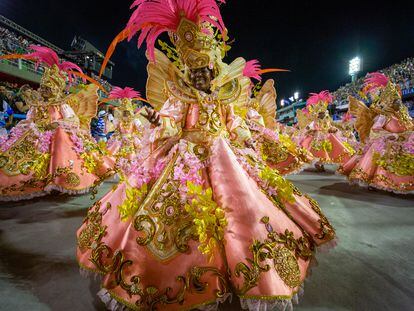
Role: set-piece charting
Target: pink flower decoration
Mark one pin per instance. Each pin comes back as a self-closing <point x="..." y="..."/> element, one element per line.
<point x="78" y="146"/>
<point x="409" y="145"/>
<point x="14" y="135"/>
<point x="44" y="141"/>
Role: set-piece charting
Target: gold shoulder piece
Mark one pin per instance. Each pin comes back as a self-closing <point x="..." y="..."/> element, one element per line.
<point x="84" y="104"/>
<point x="231" y="72"/>
<point x="266" y="100"/>
<point x="180" y="91"/>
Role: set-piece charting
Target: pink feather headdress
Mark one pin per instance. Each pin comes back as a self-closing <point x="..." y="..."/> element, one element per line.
<point x="374" y="81"/>
<point x="127" y="92"/>
<point x="49" y="57"/>
<point x="323" y="96"/>
<point x="153" y="17"/>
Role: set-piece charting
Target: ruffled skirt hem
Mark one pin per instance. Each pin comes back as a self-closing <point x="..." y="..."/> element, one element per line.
<point x="22" y="197"/>
<point x="364" y="184"/>
<point x="61" y="189"/>
<point x="265" y="303"/>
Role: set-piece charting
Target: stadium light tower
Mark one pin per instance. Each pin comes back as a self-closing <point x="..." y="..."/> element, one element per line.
<point x="355" y="66"/>
<point x="296" y="95"/>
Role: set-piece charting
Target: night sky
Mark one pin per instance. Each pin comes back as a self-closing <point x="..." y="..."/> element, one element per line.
<point x="313" y="40"/>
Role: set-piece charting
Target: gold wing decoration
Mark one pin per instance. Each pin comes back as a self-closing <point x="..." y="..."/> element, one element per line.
<point x="364" y="117"/>
<point x="228" y="73"/>
<point x="85" y="104"/>
<point x="159" y="73"/>
<point x="303" y="119"/>
<point x="266" y="103"/>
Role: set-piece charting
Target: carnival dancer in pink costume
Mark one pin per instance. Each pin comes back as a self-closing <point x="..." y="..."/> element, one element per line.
<point x="387" y="159"/>
<point x="204" y="217"/>
<point x="319" y="135"/>
<point x="52" y="149"/>
<point x="126" y="144"/>
<point x="276" y="147"/>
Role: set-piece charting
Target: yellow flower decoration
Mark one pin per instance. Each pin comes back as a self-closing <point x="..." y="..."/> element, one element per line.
<point x="401" y="164"/>
<point x="133" y="200"/>
<point x="325" y="145"/>
<point x="89" y="162"/>
<point x="208" y="218"/>
<point x="348" y="147"/>
<point x="283" y="187"/>
<point x="287" y="142"/>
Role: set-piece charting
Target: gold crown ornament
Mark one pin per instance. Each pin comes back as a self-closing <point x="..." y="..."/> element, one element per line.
<point x="196" y="45"/>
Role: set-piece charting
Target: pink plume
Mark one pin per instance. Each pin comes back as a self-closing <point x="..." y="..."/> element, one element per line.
<point x="347" y="117"/>
<point x="127" y="92"/>
<point x="49" y="57"/>
<point x="374" y="80"/>
<point x="153" y="17"/>
<point x="323" y="96"/>
<point x="252" y="69"/>
<point x="69" y="66"/>
<point x="43" y="54"/>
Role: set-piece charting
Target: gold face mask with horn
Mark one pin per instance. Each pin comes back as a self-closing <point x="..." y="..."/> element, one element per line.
<point x="197" y="47"/>
<point x="52" y="84"/>
<point x="125" y="110"/>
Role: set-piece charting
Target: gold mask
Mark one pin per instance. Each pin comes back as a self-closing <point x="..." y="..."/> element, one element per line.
<point x="55" y="81"/>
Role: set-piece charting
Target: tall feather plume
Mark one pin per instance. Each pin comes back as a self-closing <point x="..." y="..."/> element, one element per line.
<point x="49" y="57"/>
<point x="374" y="81"/>
<point x="252" y="70"/>
<point x="323" y="96"/>
<point x="127" y="92"/>
<point x="153" y="17"/>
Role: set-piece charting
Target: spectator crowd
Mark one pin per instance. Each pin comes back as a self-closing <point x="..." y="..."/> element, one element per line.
<point x="402" y="74"/>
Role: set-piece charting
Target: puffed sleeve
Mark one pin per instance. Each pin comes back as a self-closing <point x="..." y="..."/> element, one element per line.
<point x="68" y="114"/>
<point x="379" y="122"/>
<point x="239" y="131"/>
<point x="172" y="119"/>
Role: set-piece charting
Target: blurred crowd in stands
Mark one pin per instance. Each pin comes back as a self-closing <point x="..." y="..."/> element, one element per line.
<point x="402" y="74"/>
<point x="13" y="43"/>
